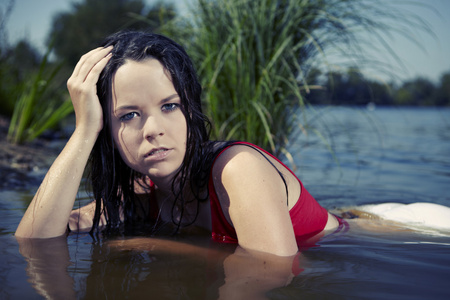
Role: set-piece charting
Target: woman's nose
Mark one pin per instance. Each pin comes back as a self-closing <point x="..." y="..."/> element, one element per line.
<point x="152" y="128"/>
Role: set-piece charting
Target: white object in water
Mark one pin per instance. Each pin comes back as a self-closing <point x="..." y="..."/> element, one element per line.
<point x="421" y="214"/>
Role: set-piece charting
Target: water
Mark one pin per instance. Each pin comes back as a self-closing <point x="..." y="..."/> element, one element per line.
<point x="401" y="152"/>
<point x="385" y="155"/>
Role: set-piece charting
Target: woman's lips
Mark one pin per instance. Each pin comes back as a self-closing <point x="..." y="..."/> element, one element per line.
<point x="156" y="151"/>
<point x="157" y="154"/>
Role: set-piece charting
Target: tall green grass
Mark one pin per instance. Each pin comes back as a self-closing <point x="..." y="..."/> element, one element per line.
<point x="254" y="57"/>
<point x="37" y="109"/>
<point x="247" y="54"/>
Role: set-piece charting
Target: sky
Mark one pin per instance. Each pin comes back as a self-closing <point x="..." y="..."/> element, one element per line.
<point x="31" y="19"/>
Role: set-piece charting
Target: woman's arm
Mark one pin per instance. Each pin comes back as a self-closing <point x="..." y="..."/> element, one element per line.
<point x="49" y="211"/>
<point x="253" y="196"/>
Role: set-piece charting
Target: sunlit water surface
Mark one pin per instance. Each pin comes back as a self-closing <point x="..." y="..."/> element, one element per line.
<point x="377" y="156"/>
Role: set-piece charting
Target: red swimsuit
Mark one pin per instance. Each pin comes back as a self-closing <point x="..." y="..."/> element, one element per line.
<point x="307" y="216"/>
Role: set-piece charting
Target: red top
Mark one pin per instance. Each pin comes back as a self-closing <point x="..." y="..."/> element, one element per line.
<point x="307" y="216"/>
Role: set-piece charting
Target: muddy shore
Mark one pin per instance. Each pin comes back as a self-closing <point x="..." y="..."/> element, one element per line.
<point x="24" y="166"/>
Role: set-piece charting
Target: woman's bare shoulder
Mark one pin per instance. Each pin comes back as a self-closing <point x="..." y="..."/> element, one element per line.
<point x="239" y="159"/>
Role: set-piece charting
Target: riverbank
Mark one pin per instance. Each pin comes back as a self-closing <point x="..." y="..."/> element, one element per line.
<point x="23" y="166"/>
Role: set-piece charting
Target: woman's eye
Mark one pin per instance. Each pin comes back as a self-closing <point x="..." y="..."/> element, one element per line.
<point x="128" y="116"/>
<point x="170" y="106"/>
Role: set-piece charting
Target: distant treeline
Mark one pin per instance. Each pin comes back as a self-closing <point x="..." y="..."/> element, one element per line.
<point x="352" y="88"/>
<point x="249" y="56"/>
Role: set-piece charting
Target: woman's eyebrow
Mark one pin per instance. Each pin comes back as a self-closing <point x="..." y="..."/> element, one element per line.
<point x="128" y="107"/>
<point x="171" y="97"/>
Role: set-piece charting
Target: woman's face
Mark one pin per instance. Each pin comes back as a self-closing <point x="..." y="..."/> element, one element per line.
<point x="148" y="126"/>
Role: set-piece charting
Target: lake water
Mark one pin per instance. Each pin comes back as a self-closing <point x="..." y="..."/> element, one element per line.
<point x="350" y="157"/>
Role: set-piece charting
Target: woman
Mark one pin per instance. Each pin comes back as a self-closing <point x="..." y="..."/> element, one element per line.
<point x="138" y="115"/>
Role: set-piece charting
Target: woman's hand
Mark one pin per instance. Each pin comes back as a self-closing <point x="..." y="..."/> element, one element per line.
<point x="82" y="86"/>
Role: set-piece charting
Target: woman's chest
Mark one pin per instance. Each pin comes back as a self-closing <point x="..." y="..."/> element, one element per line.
<point x="187" y="213"/>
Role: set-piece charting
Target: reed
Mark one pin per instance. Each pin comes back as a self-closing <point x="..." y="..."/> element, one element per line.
<point x="246" y="53"/>
<point x="254" y="57"/>
<point x="37" y="110"/>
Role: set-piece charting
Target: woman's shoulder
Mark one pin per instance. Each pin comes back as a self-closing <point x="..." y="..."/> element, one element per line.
<point x="241" y="159"/>
<point x="237" y="150"/>
<point x="243" y="165"/>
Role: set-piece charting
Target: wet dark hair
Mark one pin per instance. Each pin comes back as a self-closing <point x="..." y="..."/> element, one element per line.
<point x="113" y="182"/>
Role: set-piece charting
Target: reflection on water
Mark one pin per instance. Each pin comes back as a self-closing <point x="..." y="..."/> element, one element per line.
<point x="139" y="267"/>
<point x="384" y="155"/>
<point x="47" y="262"/>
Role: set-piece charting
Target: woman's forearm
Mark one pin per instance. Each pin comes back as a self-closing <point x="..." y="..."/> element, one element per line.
<point x="49" y="211"/>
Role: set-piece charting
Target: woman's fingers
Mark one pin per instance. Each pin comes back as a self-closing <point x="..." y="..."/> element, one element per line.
<point x="87" y="71"/>
<point x="94" y="72"/>
<point x="83" y="81"/>
<point x="88" y="60"/>
<point x="94" y="65"/>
